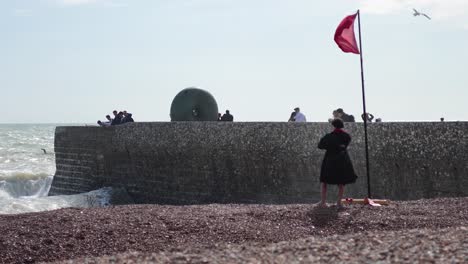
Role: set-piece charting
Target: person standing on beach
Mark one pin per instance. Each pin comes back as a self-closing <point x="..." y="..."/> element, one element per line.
<point x="299" y="117"/>
<point x="337" y="168"/>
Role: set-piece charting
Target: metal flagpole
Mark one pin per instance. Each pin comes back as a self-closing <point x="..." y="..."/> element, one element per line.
<point x="364" y="109"/>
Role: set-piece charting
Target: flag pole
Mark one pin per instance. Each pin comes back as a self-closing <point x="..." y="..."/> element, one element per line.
<point x="364" y="109"/>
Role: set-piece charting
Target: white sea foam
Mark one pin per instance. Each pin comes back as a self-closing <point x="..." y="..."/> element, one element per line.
<point x="27" y="204"/>
<point x="26" y="172"/>
<point x="26" y="184"/>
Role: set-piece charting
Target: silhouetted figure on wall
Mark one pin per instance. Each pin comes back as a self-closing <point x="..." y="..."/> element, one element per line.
<point x="292" y="117"/>
<point x="103" y="124"/>
<point x="128" y="118"/>
<point x="335" y="115"/>
<point x="337" y="168"/>
<point x="118" y="119"/>
<point x="370" y="117"/>
<point x="227" y="117"/>
<point x="344" y="116"/>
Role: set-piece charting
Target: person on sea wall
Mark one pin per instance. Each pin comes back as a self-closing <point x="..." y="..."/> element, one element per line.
<point x="227" y="117"/>
<point x="109" y="119"/>
<point x="116" y="119"/>
<point x="299" y="117"/>
<point x="127" y="118"/>
<point x="370" y="117"/>
<point x="337" y="168"/>
<point x="344" y="116"/>
<point x="103" y="124"/>
<point x="335" y="115"/>
<point x="292" y="117"/>
<point x="121" y="117"/>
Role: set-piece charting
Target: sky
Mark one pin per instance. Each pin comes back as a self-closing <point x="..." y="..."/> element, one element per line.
<point x="74" y="61"/>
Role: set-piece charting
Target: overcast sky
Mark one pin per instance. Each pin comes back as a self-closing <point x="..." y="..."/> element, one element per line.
<point x="77" y="60"/>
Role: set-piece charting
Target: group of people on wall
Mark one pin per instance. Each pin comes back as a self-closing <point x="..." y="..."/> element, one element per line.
<point x="298" y="116"/>
<point x="120" y="117"/>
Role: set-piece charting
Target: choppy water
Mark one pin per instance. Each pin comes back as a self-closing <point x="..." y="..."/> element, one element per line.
<point x="26" y="172"/>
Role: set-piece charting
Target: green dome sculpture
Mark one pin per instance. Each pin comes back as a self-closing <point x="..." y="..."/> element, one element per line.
<point x="193" y="104"/>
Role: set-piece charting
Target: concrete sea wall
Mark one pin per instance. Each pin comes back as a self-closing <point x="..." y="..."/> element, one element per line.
<point x="223" y="162"/>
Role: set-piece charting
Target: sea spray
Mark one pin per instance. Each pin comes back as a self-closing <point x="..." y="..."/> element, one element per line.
<point x="97" y="198"/>
<point x="20" y="184"/>
<point x="25" y="193"/>
<point x="26" y="172"/>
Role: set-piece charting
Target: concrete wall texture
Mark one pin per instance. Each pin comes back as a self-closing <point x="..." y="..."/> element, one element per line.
<point x="224" y="162"/>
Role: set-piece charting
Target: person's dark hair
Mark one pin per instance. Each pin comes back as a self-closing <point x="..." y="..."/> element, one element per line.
<point x="337" y="123"/>
<point x="227" y="111"/>
<point x="108" y="116"/>
<point x="340" y="110"/>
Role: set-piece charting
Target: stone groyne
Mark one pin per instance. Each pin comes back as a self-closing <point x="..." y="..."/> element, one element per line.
<point x="223" y="162"/>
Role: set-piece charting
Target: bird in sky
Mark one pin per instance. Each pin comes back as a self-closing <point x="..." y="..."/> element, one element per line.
<point x="416" y="13"/>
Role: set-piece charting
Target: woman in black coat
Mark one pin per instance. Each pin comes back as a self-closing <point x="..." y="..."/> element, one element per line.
<point x="337" y="168"/>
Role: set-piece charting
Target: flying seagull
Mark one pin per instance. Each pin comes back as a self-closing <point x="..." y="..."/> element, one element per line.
<point x="45" y="152"/>
<point x="416" y="13"/>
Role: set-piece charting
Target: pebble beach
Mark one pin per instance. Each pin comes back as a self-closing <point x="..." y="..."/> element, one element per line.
<point x="424" y="231"/>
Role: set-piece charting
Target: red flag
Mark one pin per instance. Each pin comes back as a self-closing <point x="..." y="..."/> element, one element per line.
<point x="344" y="35"/>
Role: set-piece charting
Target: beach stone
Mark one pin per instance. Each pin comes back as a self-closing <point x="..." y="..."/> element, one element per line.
<point x="240" y="233"/>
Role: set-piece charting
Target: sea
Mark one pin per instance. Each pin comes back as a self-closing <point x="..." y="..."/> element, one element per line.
<point x="27" y="167"/>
